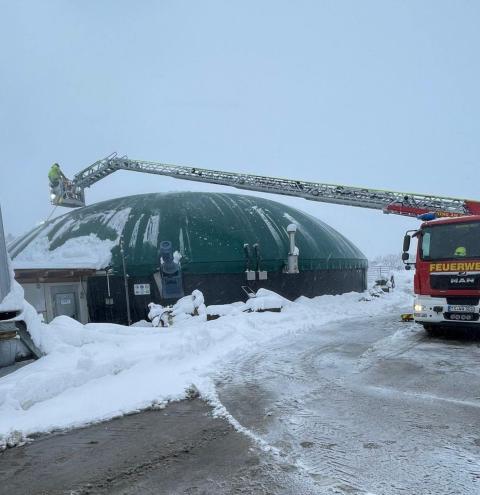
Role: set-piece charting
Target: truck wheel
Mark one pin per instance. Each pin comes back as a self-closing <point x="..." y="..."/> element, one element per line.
<point x="433" y="330"/>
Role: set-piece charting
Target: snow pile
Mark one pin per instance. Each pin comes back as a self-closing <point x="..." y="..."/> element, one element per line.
<point x="13" y="301"/>
<point x="79" y="252"/>
<point x="185" y="308"/>
<point x="226" y="309"/>
<point x="189" y="306"/>
<point x="95" y="372"/>
<point x="158" y="315"/>
<point x="265" y="300"/>
<point x="142" y="323"/>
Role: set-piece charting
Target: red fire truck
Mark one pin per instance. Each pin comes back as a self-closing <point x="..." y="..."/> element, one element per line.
<point x="447" y="276"/>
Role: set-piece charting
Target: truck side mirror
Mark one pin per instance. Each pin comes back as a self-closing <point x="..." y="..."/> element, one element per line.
<point x="405" y="256"/>
<point x="406" y="243"/>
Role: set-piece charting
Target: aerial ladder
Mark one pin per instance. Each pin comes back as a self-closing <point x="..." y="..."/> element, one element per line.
<point x="71" y="193"/>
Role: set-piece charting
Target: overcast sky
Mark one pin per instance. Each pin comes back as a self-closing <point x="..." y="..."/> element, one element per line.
<point x="383" y="94"/>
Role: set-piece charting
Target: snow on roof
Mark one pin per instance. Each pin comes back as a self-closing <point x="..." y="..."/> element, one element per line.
<point x="78" y="252"/>
<point x="208" y="229"/>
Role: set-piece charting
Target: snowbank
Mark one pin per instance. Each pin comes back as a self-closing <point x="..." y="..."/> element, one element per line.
<point x="98" y="371"/>
<point x="226" y="309"/>
<point x="79" y="252"/>
<point x="158" y="315"/>
<point x="13" y="301"/>
<point x="266" y="300"/>
<point x="189" y="306"/>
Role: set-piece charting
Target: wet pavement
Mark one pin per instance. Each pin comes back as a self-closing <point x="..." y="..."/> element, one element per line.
<point x="181" y="449"/>
<point x="366" y="407"/>
<point x="372" y="406"/>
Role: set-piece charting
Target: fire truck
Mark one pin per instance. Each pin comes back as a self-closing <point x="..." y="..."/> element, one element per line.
<point x="447" y="278"/>
<point x="447" y="272"/>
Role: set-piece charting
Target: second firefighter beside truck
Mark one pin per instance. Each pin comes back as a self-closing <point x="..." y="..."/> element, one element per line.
<point x="460" y="252"/>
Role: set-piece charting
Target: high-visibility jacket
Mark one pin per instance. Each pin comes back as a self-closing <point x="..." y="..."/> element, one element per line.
<point x="55" y="174"/>
<point x="461" y="251"/>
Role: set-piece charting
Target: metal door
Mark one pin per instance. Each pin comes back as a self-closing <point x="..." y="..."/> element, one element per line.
<point x="65" y="304"/>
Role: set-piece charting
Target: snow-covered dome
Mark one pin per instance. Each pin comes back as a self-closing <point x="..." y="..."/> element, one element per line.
<point x="208" y="231"/>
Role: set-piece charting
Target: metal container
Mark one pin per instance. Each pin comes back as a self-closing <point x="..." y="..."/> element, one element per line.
<point x="8" y="351"/>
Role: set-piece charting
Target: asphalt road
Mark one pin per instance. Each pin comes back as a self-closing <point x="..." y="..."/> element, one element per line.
<point x="358" y="407"/>
<point x="178" y="450"/>
<point x="371" y="406"/>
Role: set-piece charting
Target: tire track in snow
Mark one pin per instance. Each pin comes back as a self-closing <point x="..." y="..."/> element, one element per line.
<point x="390" y="347"/>
<point x="334" y="471"/>
<point x="320" y="478"/>
<point x="322" y="414"/>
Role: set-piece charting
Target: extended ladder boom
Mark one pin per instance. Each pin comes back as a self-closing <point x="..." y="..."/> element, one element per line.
<point x="408" y="204"/>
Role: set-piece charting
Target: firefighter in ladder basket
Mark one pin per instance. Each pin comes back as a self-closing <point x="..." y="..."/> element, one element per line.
<point x="58" y="182"/>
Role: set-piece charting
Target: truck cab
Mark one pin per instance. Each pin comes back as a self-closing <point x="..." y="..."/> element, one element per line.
<point x="447" y="276"/>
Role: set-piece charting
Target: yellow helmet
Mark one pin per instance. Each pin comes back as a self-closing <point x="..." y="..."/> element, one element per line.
<point x="461" y="251"/>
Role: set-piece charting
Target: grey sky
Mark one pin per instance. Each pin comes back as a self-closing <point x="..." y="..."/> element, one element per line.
<point x="374" y="93"/>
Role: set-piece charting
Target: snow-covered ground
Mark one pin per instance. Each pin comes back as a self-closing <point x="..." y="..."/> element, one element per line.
<point x="99" y="371"/>
<point x="365" y="405"/>
<point x="13" y="301"/>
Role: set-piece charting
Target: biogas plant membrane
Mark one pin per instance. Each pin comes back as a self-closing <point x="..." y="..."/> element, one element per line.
<point x="90" y="263"/>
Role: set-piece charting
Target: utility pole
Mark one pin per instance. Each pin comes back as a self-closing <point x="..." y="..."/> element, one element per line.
<point x="125" y="281"/>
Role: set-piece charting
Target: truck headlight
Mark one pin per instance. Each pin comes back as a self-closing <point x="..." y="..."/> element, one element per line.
<point x="418" y="308"/>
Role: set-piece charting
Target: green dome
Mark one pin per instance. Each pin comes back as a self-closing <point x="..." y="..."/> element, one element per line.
<point x="208" y="229"/>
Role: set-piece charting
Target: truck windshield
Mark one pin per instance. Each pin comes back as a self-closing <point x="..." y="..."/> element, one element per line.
<point x="451" y="241"/>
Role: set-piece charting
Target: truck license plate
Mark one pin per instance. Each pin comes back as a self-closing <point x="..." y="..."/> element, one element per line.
<point x="461" y="309"/>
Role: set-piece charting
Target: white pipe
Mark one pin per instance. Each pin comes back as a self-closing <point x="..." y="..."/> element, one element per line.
<point x="292" y="266"/>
